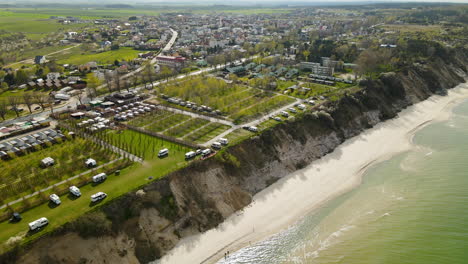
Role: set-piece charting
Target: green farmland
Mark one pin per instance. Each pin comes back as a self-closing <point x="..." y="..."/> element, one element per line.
<point x="106" y="57"/>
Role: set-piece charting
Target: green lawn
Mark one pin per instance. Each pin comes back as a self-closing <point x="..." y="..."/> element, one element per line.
<point x="107" y="57"/>
<point x="186" y="127"/>
<point x="130" y="178"/>
<point x="207" y="132"/>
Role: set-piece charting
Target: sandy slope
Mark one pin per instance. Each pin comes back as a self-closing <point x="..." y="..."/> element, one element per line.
<point x="289" y="199"/>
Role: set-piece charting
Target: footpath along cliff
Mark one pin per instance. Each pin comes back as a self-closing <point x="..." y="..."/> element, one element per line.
<point x="142" y="226"/>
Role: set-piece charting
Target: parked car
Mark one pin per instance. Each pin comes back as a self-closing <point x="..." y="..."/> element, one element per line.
<point x="16" y="217"/>
<point x="253" y="129"/>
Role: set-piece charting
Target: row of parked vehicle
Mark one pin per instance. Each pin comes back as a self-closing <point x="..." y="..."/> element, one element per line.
<point x="132" y="110"/>
<point x="75" y="191"/>
<point x="190" y="105"/>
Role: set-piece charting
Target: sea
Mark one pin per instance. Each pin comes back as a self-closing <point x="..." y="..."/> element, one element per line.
<point x="410" y="209"/>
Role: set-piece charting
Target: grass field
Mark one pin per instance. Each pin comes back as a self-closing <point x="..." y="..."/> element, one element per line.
<point x="207" y="132"/>
<point x="261" y="107"/>
<point x="186" y="127"/>
<point x="33" y="25"/>
<point x="107" y="57"/>
<point x="22" y="175"/>
<point x="145" y="146"/>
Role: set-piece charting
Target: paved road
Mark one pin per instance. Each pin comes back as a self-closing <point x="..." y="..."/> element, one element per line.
<point x="58" y="184"/>
<point x="153" y="61"/>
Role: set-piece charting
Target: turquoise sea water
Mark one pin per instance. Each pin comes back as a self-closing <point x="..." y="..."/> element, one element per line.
<point x="410" y="209"/>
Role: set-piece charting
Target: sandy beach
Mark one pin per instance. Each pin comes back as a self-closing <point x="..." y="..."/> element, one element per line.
<point x="289" y="199"/>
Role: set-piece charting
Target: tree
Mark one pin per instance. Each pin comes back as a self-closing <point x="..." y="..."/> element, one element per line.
<point x="93" y="83"/>
<point x="370" y="62"/>
<point x="40" y="100"/>
<point x="80" y="95"/>
<point x="21" y="77"/>
<point x="3" y="108"/>
<point x="14" y="103"/>
<point x="108" y="78"/>
<point x="28" y="100"/>
<point x="149" y="72"/>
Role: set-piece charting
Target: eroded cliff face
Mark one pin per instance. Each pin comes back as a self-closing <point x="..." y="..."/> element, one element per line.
<point x="147" y="223"/>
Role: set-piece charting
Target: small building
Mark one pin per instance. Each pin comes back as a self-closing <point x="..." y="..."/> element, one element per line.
<point x="40" y="59"/>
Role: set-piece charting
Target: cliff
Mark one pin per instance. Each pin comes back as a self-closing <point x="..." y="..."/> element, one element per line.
<point x="143" y="225"/>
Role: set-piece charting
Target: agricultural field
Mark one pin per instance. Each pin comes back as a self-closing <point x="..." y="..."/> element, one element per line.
<point x="23" y="175"/>
<point x="34" y="25"/>
<point x="106" y="57"/>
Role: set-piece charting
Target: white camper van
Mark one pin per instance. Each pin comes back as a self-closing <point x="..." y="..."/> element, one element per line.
<point x="224" y="141"/>
<point x="34" y="225"/>
<point x="163" y="152"/>
<point x="216" y="145"/>
<point x="190" y="155"/>
<point x="98" y="196"/>
<point x="75" y="191"/>
<point x="206" y="152"/>
<point x="100" y="177"/>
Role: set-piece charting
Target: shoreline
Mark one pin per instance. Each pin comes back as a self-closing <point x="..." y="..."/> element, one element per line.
<point x="321" y="181"/>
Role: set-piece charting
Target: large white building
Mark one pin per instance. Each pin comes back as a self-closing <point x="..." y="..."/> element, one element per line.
<point x="171" y="61"/>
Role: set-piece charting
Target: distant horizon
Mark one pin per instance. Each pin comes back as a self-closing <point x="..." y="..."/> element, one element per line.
<point x="246" y="3"/>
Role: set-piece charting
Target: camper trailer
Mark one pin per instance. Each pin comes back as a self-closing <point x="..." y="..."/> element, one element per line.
<point x="224" y="141"/>
<point x="55" y="199"/>
<point x="75" y="191"/>
<point x="90" y="163"/>
<point x="206" y="152"/>
<point x="163" y="152"/>
<point x="99" y="178"/>
<point x="216" y="145"/>
<point x="98" y="196"/>
<point x="190" y="155"/>
<point x="34" y="225"/>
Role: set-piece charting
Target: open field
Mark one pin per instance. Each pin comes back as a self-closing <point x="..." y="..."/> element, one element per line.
<point x="107" y="57"/>
<point x="207" y="132"/>
<point x="22" y="175"/>
<point x="146" y="146"/>
<point x="34" y="25"/>
<point x="96" y="13"/>
<point x="263" y="106"/>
